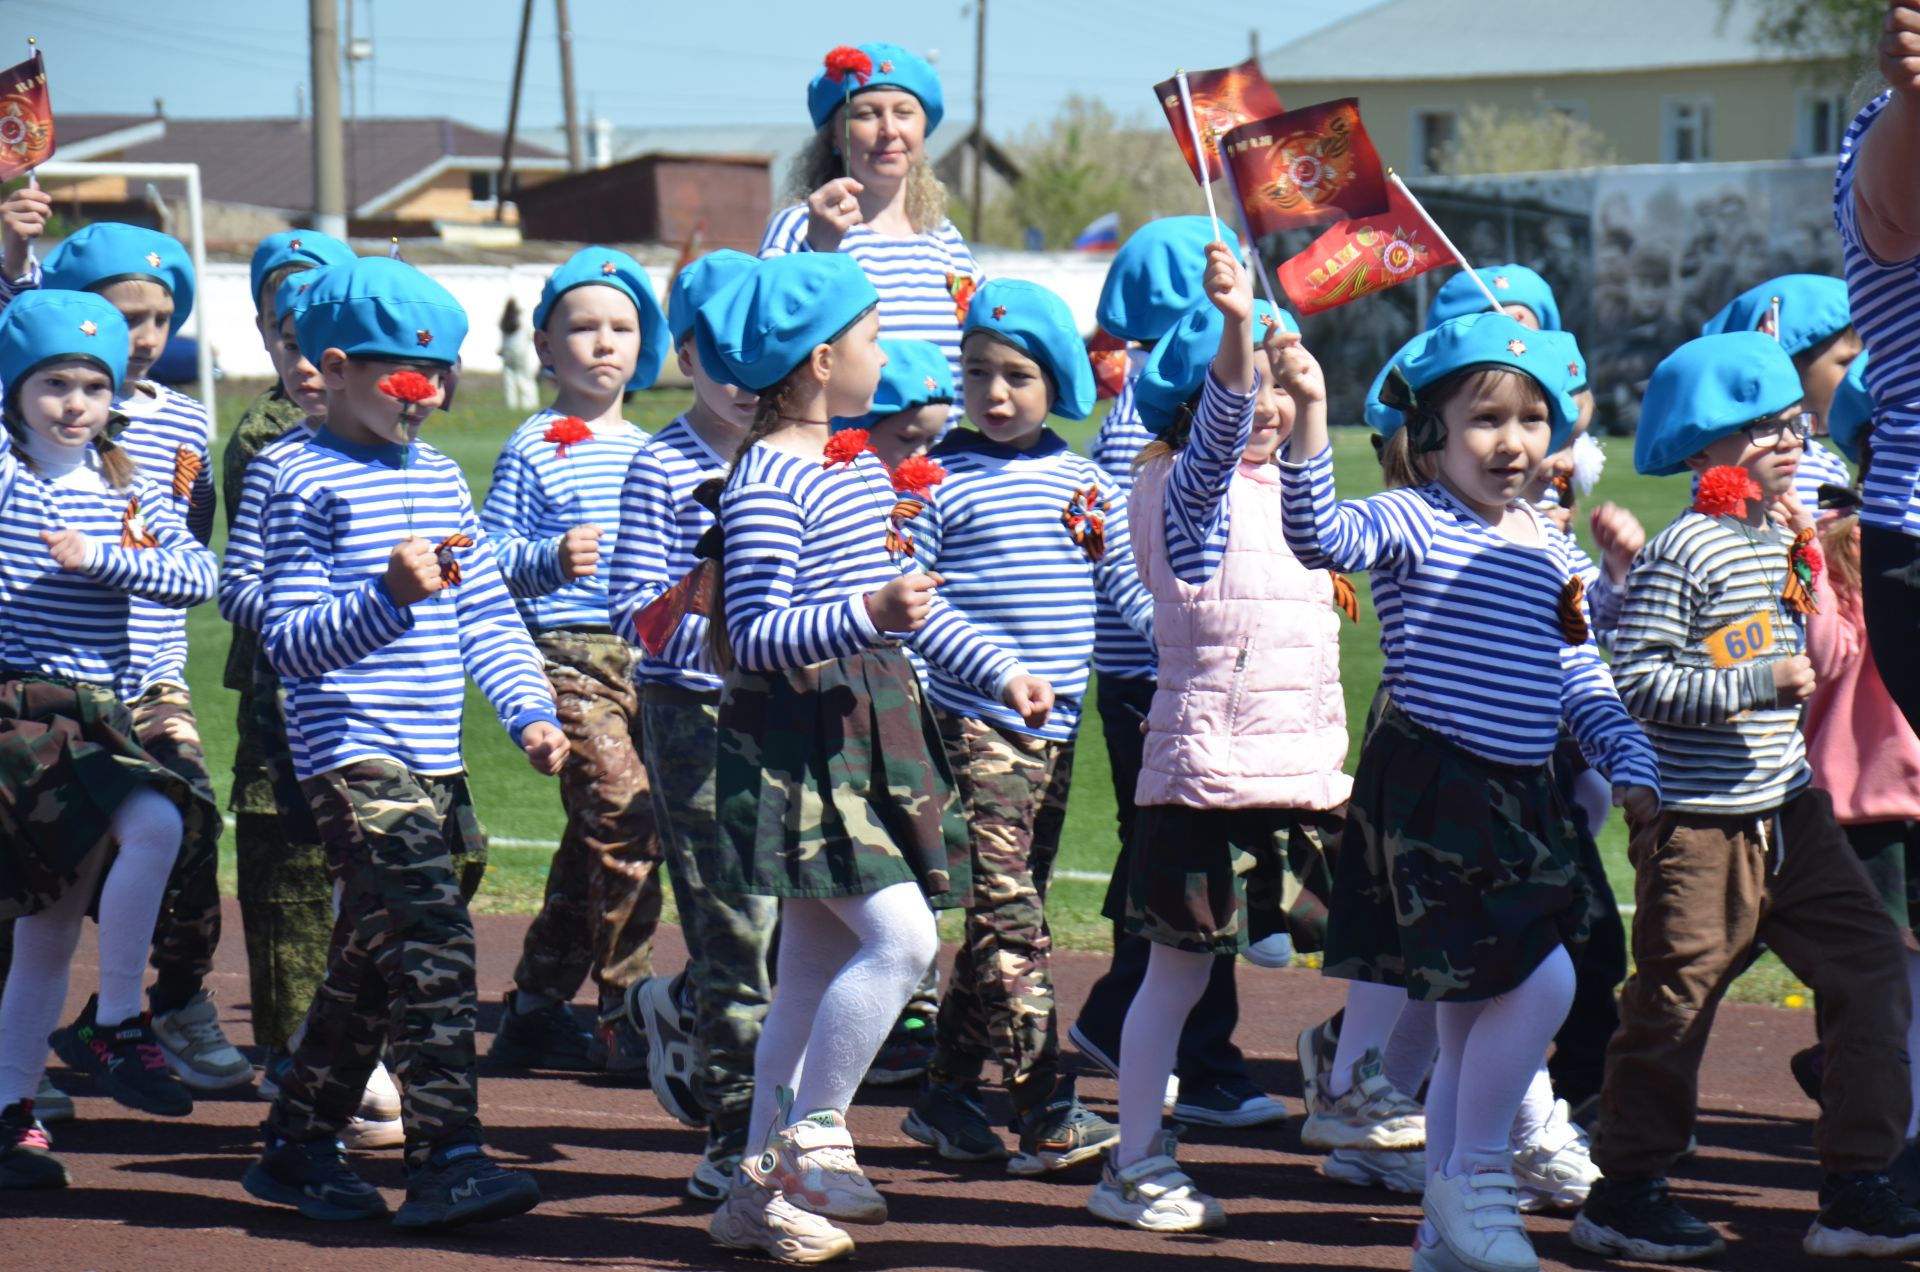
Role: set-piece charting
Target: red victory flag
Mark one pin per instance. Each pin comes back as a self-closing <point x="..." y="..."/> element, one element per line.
<point x="1223" y="99"/>
<point x="1306" y="167"/>
<point x="1358" y="258"/>
<point x="26" y="118"/>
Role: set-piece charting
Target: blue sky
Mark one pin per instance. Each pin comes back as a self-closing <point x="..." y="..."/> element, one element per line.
<point x="635" y="63"/>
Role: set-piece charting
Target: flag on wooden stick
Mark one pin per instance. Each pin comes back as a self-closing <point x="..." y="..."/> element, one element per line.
<point x="1358" y="258"/>
<point x="1223" y="99"/>
<point x="1306" y="167"/>
<point x="26" y="118"/>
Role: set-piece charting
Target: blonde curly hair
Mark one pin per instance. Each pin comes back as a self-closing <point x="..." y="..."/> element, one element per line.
<point x="819" y="162"/>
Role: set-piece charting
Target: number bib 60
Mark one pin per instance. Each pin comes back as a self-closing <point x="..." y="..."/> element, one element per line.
<point x="1742" y="641"/>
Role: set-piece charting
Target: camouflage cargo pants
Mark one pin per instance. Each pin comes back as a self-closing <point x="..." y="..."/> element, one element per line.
<point x="602" y="904"/>
<point x="1013" y="788"/>
<point x="188" y="930"/>
<point x="729" y="940"/>
<point x="400" y="978"/>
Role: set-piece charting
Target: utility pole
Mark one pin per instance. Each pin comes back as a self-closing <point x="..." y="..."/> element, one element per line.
<point x="513" y="116"/>
<point x="329" y="167"/>
<point x="1253" y="44"/>
<point x="575" y="161"/>
<point x="979" y="109"/>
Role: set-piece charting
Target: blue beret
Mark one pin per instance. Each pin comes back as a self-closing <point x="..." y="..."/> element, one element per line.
<point x="1852" y="410"/>
<point x="1513" y="284"/>
<point x="753" y="332"/>
<point x="380" y="310"/>
<point x="1489" y="339"/>
<point x="893" y="67"/>
<point x="289" y="247"/>
<point x="1178" y="364"/>
<point x="42" y="326"/>
<point x="1707" y="388"/>
<point x="108" y="252"/>
<point x="608" y="267"/>
<point x="1039" y="324"/>
<point x="698" y="283"/>
<point x="1155" y="277"/>
<point x="1381" y="418"/>
<point x="290" y="297"/>
<point x="917" y="373"/>
<point x="1812" y="307"/>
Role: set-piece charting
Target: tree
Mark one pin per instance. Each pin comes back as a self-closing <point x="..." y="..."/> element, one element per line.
<point x="1814" y="28"/>
<point x="1539" y="140"/>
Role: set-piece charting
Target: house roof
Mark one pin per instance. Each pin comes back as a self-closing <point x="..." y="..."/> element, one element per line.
<point x="269" y="162"/>
<point x="1496" y="39"/>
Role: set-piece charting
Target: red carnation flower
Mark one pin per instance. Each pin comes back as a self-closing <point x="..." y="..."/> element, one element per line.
<point x="918" y="475"/>
<point x="566" y="431"/>
<point x="845" y="446"/>
<point x="846" y="60"/>
<point x="1725" y="492"/>
<point x="408" y="386"/>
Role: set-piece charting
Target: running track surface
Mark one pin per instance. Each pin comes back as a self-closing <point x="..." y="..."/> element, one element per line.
<point x="152" y="1194"/>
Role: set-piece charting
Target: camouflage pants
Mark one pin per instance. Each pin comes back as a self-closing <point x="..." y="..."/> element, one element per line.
<point x="286" y="898"/>
<point x="729" y="939"/>
<point x="400" y="977"/>
<point x="188" y="929"/>
<point x="603" y="890"/>
<point x="1013" y="788"/>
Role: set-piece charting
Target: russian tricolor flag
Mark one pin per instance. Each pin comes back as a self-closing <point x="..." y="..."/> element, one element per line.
<point x="1101" y="235"/>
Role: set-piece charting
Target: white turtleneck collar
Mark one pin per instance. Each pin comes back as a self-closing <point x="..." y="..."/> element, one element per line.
<point x="52" y="459"/>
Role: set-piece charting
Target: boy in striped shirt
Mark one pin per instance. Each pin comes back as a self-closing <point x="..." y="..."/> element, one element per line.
<point x="1709" y="656"/>
<point x="1024" y="532"/>
<point x="383" y="594"/>
<point x="553" y="513"/>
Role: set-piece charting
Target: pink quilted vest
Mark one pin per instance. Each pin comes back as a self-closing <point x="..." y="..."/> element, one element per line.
<point x="1249" y="711"/>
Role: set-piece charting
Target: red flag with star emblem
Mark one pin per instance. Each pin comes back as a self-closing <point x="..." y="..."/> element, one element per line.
<point x="1223" y="99"/>
<point x="1359" y="258"/>
<point x="1306" y="167"/>
<point x="26" y="118"/>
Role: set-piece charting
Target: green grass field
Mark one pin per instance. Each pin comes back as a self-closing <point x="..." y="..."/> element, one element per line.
<point x="521" y="810"/>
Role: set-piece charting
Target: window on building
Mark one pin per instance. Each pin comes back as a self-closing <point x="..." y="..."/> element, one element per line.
<point x="1823" y="119"/>
<point x="484" y="186"/>
<point x="1686" y="129"/>
<point x="1433" y="132"/>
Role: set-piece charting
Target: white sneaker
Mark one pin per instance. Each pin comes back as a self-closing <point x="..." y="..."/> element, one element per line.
<point x="50" y="1103"/>
<point x="1477" y="1213"/>
<point x="811" y="1163"/>
<point x="1154" y="1195"/>
<point x="673" y="1050"/>
<point x="1315" y="1047"/>
<point x="365" y="1132"/>
<point x="757" y="1217"/>
<point x="196" y="1050"/>
<point x="1555" y="1168"/>
<point x="1396" y="1172"/>
<point x="380" y="1102"/>
<point x="1270" y="951"/>
<point x="1371" y="1115"/>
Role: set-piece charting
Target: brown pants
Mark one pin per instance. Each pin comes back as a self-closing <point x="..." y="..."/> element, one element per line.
<point x="1706" y="888"/>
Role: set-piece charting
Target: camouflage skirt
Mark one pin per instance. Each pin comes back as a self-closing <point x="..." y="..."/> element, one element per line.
<point x="1193" y="874"/>
<point x="1455" y="876"/>
<point x="68" y="760"/>
<point x="831" y="781"/>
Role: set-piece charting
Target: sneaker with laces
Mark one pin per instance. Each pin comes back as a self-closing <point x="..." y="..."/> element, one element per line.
<point x="1396" y="1172"/>
<point x="1635" y="1217"/>
<point x="1555" y="1168"/>
<point x="811" y="1163"/>
<point x="1862" y="1217"/>
<point x="1275" y="950"/>
<point x="756" y="1216"/>
<point x="1371" y="1115"/>
<point x="712" y="1178"/>
<point x="125" y="1060"/>
<point x="196" y="1049"/>
<point x="50" y="1103"/>
<point x="460" y="1184"/>
<point x="548" y="1037"/>
<point x="1103" y="1060"/>
<point x="673" y="1047"/>
<point x="619" y="1044"/>
<point x="1060" y="1134"/>
<point x="1477" y="1214"/>
<point x="26" y="1151"/>
<point x="1315" y="1047"/>
<point x="313" y="1177"/>
<point x="1228" y="1102"/>
<point x="905" y="1054"/>
<point x="1154" y="1195"/>
<point x="948" y="1117"/>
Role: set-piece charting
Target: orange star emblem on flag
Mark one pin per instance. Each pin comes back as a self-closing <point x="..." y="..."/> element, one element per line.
<point x="423" y="337"/>
<point x="608" y="267"/>
<point x="153" y="259"/>
<point x="87" y="328"/>
<point x="999" y="311"/>
<point x="1516" y="347"/>
<point x="1501" y="281"/>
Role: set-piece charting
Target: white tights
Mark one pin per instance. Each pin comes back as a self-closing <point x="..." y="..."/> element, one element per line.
<point x="148" y="829"/>
<point x="1372" y="1012"/>
<point x="1149" y="1040"/>
<point x="847" y="966"/>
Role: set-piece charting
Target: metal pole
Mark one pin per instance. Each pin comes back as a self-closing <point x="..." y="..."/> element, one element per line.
<point x="979" y="108"/>
<point x="575" y="161"/>
<point x="329" y="166"/>
<point x="513" y="116"/>
<point x="197" y="247"/>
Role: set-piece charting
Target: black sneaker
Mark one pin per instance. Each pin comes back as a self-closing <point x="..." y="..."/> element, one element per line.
<point x="126" y="1060"/>
<point x="1634" y="1218"/>
<point x="905" y="1054"/>
<point x="313" y="1177"/>
<point x="461" y="1184"/>
<point x="618" y="1047"/>
<point x="545" y="1038"/>
<point x="1232" y="1101"/>
<point x="949" y="1118"/>
<point x="1809" y="1069"/>
<point x="1861" y="1216"/>
<point x="26" y="1151"/>
<point x="1060" y="1133"/>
